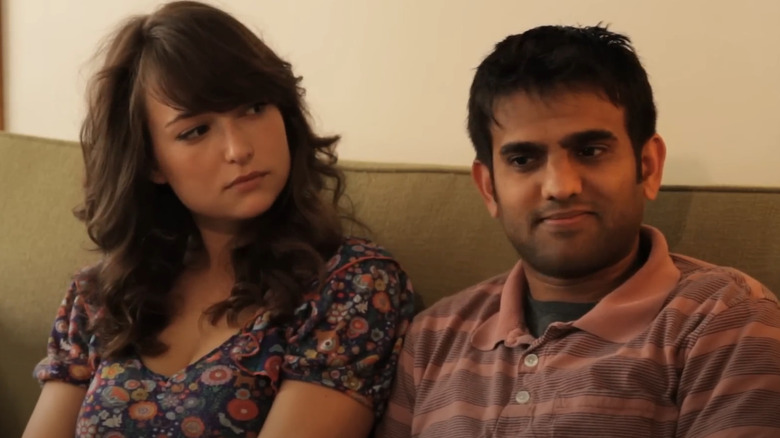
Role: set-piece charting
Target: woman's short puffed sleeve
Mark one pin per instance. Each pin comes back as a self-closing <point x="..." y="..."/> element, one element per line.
<point x="349" y="336"/>
<point x="72" y="354"/>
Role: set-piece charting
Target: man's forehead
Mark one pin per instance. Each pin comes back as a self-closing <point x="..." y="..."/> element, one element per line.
<point x="521" y="110"/>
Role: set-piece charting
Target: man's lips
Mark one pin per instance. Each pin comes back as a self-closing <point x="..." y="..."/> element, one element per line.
<point x="563" y="215"/>
<point x="564" y="218"/>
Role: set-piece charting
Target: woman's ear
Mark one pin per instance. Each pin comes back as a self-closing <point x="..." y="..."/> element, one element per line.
<point x="156" y="176"/>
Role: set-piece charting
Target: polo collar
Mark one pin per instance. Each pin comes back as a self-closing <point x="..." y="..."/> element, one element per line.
<point x="619" y="317"/>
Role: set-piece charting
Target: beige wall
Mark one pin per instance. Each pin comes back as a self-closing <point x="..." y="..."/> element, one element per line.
<point x="392" y="76"/>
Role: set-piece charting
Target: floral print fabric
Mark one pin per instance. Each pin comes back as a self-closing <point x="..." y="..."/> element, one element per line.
<point x="345" y="336"/>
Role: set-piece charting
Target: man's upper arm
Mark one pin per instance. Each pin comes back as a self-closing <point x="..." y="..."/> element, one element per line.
<point x="397" y="421"/>
<point x="730" y="383"/>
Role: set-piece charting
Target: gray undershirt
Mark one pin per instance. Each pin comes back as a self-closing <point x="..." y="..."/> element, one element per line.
<point x="540" y="314"/>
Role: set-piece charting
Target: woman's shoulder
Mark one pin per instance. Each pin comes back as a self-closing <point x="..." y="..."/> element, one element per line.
<point x="356" y="250"/>
<point x="72" y="354"/>
<point x="82" y="294"/>
<point x="361" y="270"/>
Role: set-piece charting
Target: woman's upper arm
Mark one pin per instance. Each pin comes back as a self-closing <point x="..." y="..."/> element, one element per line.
<point x="308" y="410"/>
<point x="67" y="370"/>
<point x="56" y="412"/>
<point x="72" y="353"/>
<point x="341" y="355"/>
<point x="351" y="342"/>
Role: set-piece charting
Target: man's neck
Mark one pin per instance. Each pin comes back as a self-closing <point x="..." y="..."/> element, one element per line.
<point x="588" y="289"/>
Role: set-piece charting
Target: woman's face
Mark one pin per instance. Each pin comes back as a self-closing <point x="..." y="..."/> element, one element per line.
<point x="224" y="167"/>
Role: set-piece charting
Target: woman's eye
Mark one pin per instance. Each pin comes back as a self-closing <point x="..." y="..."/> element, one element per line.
<point x="256" y="108"/>
<point x="193" y="133"/>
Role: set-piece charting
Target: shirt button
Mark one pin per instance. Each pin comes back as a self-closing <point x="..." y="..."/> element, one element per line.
<point x="523" y="397"/>
<point x="531" y="360"/>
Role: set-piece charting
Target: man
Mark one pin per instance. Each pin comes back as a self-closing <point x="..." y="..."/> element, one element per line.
<point x="598" y="331"/>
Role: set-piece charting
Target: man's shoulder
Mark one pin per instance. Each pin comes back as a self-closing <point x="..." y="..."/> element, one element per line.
<point x="703" y="281"/>
<point x="475" y="303"/>
<point x="442" y="332"/>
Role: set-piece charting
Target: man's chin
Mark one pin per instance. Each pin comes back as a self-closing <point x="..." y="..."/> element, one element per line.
<point x="564" y="269"/>
<point x="564" y="260"/>
<point x="550" y="234"/>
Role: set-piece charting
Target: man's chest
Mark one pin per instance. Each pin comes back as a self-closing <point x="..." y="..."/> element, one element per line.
<point x="563" y="387"/>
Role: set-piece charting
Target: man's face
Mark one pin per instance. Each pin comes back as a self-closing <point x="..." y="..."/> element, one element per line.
<point x="565" y="184"/>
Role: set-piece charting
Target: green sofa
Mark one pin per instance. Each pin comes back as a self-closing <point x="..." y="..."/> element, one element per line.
<point x="431" y="218"/>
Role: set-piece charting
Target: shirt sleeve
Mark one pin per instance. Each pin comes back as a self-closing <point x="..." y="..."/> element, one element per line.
<point x="71" y="356"/>
<point x="730" y="384"/>
<point x="353" y="332"/>
<point x="397" y="421"/>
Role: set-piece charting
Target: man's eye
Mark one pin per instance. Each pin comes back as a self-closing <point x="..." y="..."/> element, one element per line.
<point x="591" y="151"/>
<point x="257" y="108"/>
<point x="521" y="160"/>
<point x="193" y="133"/>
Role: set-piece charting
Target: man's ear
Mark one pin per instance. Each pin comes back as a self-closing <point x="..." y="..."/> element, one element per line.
<point x="653" y="158"/>
<point x="482" y="176"/>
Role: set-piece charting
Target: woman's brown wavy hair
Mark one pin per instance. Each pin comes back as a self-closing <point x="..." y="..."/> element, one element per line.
<point x="199" y="59"/>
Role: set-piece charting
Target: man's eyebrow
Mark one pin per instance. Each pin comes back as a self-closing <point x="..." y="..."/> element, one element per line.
<point x="570" y="141"/>
<point x="585" y="137"/>
<point x="521" y="146"/>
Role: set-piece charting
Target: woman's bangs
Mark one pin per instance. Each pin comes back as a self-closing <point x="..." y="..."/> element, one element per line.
<point x="199" y="81"/>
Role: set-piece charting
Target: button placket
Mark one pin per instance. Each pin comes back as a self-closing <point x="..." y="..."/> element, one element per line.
<point x="531" y="360"/>
<point x="523" y="397"/>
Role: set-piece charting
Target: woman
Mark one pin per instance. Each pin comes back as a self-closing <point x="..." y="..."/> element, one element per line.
<point x="228" y="301"/>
